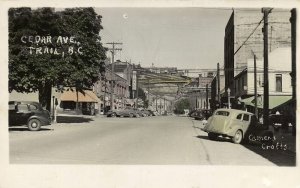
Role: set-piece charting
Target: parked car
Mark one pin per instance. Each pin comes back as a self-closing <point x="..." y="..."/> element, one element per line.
<point x="207" y="113"/>
<point x="152" y="113"/>
<point x="198" y="115"/>
<point x="127" y="112"/>
<point x="138" y="113"/>
<point x="201" y="114"/>
<point x="190" y="114"/>
<point x="279" y="121"/>
<point x="145" y="112"/>
<point x="235" y="124"/>
<point x="28" y="113"/>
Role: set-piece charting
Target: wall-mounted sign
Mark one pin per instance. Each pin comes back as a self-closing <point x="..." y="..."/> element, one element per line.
<point x="134" y="80"/>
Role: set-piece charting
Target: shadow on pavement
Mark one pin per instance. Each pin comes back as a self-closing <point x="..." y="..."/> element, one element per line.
<point x="276" y="155"/>
<point x="73" y="119"/>
<point x="219" y="139"/>
<point x="26" y="129"/>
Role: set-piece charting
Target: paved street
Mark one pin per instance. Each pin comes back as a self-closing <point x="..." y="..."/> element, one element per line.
<point x="150" y="140"/>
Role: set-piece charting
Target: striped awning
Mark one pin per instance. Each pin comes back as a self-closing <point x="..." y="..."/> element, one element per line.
<point x="85" y="96"/>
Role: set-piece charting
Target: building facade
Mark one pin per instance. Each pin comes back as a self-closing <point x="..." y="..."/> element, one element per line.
<point x="279" y="75"/>
<point x="244" y="37"/>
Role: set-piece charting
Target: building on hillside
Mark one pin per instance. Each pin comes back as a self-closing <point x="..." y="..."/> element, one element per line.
<point x="243" y="37"/>
<point x="162" y="70"/>
<point x="196" y="72"/>
<point x="198" y="92"/>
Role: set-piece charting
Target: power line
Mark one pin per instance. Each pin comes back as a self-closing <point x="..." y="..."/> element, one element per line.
<point x="113" y="49"/>
<point x="251" y="33"/>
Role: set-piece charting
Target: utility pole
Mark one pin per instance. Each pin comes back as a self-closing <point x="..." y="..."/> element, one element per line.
<point x="156" y="102"/>
<point x="218" y="84"/>
<point x="160" y="105"/>
<point x="293" y="21"/>
<point x="112" y="50"/>
<point x="201" y="98"/>
<point x="266" y="12"/>
<point x="255" y="87"/>
<point x="137" y="90"/>
<point x="164" y="105"/>
<point x="148" y="91"/>
<point x="196" y="99"/>
<point x="271" y="39"/>
<point x="104" y="96"/>
<point x="206" y="96"/>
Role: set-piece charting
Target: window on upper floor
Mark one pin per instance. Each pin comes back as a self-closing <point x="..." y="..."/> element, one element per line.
<point x="278" y="78"/>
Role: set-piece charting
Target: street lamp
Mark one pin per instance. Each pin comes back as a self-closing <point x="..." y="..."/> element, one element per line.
<point x="53" y="110"/>
<point x="228" y="92"/>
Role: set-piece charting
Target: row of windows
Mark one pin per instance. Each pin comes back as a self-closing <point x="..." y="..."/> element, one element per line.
<point x="278" y="81"/>
<point x="22" y="107"/>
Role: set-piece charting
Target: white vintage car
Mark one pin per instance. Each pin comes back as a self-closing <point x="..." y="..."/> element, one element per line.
<point x="235" y="124"/>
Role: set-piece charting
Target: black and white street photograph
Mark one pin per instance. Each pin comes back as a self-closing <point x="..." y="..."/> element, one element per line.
<point x="156" y="86"/>
<point x="201" y="86"/>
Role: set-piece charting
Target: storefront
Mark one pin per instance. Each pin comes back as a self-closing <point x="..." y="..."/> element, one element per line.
<point x="87" y="101"/>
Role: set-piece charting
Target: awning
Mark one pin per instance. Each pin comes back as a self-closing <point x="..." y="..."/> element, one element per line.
<point x="274" y="101"/>
<point x="86" y="96"/>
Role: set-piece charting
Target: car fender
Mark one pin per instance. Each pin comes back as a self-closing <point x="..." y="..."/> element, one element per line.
<point x="231" y="130"/>
<point x="41" y="119"/>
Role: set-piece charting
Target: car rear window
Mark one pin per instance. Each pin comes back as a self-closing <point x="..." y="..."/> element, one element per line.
<point x="222" y="113"/>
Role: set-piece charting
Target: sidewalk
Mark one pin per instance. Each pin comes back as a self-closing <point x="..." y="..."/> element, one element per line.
<point x="286" y="138"/>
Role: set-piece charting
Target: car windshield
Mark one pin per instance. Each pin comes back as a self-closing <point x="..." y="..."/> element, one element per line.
<point x="222" y="113"/>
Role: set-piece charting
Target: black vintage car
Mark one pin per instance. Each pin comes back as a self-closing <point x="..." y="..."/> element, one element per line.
<point x="28" y="113"/>
<point x="201" y="114"/>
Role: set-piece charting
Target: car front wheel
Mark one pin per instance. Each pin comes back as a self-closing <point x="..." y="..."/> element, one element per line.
<point x="113" y="115"/>
<point x="238" y="137"/>
<point x="34" y="125"/>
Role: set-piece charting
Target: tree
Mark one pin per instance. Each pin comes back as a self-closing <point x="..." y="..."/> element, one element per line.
<point x="49" y="48"/>
<point x="181" y="105"/>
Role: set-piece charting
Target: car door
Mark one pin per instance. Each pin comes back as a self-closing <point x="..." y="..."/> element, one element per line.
<point x="12" y="114"/>
<point x="245" y="122"/>
<point x="22" y="114"/>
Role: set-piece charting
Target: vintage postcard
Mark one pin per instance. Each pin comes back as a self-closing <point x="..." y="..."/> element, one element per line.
<point x="150" y="88"/>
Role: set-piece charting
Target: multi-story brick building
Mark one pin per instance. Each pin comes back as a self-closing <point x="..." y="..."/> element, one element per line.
<point x="121" y="80"/>
<point x="243" y="37"/>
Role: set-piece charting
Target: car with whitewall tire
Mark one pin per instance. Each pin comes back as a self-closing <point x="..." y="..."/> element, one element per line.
<point x="28" y="113"/>
<point x="235" y="124"/>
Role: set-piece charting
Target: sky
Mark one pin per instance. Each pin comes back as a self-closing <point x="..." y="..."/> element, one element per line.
<point x="174" y="37"/>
